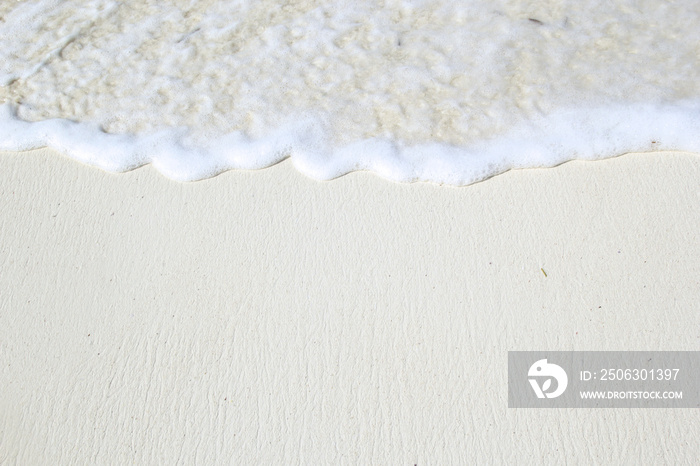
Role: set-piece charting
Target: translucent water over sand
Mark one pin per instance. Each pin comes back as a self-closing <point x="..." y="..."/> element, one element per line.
<point x="444" y="91"/>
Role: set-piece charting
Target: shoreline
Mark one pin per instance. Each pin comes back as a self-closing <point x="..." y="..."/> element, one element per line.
<point x="544" y="142"/>
<point x="267" y="317"/>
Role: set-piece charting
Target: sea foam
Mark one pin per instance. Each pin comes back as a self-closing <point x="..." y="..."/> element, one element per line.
<point x="411" y="90"/>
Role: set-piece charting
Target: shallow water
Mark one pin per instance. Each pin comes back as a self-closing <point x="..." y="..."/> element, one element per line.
<point x="414" y="90"/>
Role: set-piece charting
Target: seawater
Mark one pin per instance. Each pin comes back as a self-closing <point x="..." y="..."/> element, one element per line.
<point x="444" y="91"/>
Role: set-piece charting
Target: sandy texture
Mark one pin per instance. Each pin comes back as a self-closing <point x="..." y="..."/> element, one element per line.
<point x="266" y="318"/>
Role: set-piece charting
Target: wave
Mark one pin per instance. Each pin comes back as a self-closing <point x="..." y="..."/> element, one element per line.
<point x="576" y="134"/>
<point x="444" y="91"/>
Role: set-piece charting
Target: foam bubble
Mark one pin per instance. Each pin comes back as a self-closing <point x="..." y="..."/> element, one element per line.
<point x="586" y="134"/>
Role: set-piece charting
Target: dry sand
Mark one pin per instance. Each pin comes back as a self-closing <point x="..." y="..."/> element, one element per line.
<point x="266" y="318"/>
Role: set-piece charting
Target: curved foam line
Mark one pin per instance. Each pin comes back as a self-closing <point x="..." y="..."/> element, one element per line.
<point x="547" y="141"/>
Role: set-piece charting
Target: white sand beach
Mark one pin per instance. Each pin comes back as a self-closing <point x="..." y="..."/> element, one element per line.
<point x="264" y="317"/>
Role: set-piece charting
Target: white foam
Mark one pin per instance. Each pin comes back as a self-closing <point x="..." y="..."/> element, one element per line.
<point x="437" y="91"/>
<point x="585" y="134"/>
